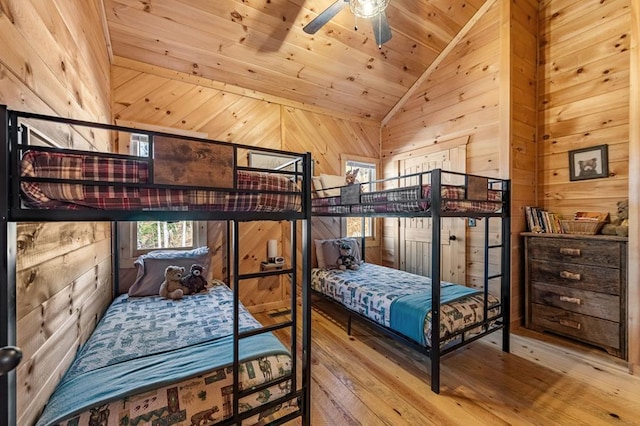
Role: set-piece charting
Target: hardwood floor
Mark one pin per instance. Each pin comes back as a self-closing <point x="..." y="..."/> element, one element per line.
<point x="369" y="379"/>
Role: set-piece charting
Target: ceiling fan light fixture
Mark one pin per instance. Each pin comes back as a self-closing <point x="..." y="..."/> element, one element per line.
<point x="367" y="8"/>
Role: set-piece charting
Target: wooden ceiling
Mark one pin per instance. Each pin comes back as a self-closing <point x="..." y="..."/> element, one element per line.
<point x="259" y="45"/>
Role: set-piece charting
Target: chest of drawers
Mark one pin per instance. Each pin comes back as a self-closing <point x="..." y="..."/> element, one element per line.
<point x="576" y="286"/>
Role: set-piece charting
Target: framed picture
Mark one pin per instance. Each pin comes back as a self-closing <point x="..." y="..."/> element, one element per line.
<point x="588" y="163"/>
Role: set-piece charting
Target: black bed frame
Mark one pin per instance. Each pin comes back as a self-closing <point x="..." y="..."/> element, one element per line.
<point x="13" y="212"/>
<point x="436" y="213"/>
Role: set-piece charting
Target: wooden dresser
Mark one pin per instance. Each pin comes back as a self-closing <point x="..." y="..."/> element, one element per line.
<point x="576" y="286"/>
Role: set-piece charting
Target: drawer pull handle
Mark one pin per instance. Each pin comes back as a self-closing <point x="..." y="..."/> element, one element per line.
<point x="570" y="251"/>
<point x="569" y="275"/>
<point x="572" y="324"/>
<point x="568" y="299"/>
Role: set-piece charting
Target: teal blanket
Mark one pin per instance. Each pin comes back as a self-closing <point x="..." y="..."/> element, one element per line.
<point x="408" y="313"/>
<point x="142" y="374"/>
<point x="143" y="343"/>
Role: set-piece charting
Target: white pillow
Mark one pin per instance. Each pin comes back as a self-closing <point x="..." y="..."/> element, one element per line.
<point x="329" y="246"/>
<point x="317" y="186"/>
<point x="331" y="181"/>
<point x="320" y="254"/>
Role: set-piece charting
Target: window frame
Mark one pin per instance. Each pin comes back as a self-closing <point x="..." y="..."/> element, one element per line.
<point x="374" y="239"/>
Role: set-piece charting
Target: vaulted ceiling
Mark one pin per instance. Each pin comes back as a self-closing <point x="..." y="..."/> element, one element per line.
<point x="260" y="45"/>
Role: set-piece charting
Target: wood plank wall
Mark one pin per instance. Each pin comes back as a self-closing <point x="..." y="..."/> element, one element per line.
<point x="152" y="95"/>
<point x="519" y="25"/>
<point x="54" y="60"/>
<point x="461" y="98"/>
<point x="585" y="100"/>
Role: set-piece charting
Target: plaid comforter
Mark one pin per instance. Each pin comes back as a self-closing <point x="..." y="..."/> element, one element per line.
<point x="140" y="196"/>
<point x="411" y="199"/>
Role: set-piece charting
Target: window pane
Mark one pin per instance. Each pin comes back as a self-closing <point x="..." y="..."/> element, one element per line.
<point x="157" y="235"/>
<point x="366" y="173"/>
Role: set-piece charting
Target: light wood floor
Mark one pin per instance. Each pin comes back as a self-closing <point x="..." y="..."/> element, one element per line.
<point x="368" y="379"/>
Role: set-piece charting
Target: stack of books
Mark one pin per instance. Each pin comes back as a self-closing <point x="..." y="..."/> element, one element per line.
<point x="539" y="220"/>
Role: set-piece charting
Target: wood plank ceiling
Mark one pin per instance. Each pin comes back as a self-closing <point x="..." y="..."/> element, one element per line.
<point x="259" y="45"/>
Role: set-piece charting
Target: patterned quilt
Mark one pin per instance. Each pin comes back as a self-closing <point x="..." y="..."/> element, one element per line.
<point x="372" y="290"/>
<point x="411" y="199"/>
<point x="269" y="192"/>
<point x="157" y="361"/>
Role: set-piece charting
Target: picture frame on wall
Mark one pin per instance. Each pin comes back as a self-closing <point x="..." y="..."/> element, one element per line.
<point x="589" y="163"/>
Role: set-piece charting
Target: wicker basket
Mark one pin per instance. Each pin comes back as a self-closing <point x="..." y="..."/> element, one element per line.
<point x="583" y="227"/>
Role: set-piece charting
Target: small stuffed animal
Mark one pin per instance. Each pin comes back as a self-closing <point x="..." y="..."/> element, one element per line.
<point x="346" y="260"/>
<point x="195" y="280"/>
<point x="619" y="224"/>
<point x="171" y="288"/>
<point x="351" y="177"/>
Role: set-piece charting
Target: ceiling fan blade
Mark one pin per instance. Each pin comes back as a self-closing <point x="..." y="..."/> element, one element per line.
<point x="381" y="28"/>
<point x="324" y="17"/>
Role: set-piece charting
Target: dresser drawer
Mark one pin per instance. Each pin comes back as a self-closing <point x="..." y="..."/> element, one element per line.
<point x="589" y="329"/>
<point x="585" y="252"/>
<point x="599" y="305"/>
<point x="582" y="277"/>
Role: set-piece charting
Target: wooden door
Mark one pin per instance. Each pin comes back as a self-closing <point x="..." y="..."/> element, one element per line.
<point x="415" y="233"/>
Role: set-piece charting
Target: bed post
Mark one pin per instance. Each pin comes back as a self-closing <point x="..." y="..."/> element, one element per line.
<point x="436" y="179"/>
<point x="506" y="265"/>
<point x="306" y="294"/>
<point x="9" y="354"/>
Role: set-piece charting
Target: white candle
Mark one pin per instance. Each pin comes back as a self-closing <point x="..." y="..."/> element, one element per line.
<point x="272" y="250"/>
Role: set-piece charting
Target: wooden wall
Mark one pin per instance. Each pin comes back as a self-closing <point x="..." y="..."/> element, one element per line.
<point x="54" y="60"/>
<point x="583" y="100"/>
<point x="461" y="97"/>
<point x="152" y="95"/>
<point x="585" y="78"/>
<point x="518" y="127"/>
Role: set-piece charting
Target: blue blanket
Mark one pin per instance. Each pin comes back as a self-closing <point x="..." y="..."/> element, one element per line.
<point x="149" y="372"/>
<point x="408" y="313"/>
<point x="149" y="342"/>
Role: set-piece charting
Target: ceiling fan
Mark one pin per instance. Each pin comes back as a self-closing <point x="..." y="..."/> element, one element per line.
<point x="367" y="9"/>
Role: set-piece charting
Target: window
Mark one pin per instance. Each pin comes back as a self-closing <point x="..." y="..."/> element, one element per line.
<point x="139" y="144"/>
<point x="145" y="236"/>
<point x="367" y="168"/>
<point x="160" y="235"/>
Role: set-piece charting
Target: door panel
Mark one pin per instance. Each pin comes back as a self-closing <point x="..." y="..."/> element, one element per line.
<point x="415" y="233"/>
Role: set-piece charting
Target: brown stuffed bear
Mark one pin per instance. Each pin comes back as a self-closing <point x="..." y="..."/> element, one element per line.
<point x="171" y="288"/>
<point x="195" y="280"/>
<point x="346" y="260"/>
<point x="619" y="225"/>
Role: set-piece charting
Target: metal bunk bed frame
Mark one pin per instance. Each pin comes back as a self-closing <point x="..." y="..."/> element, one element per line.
<point x="12" y="212"/>
<point x="435" y="352"/>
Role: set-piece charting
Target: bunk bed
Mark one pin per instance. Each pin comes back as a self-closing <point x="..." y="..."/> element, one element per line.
<point x="259" y="378"/>
<point x="408" y="307"/>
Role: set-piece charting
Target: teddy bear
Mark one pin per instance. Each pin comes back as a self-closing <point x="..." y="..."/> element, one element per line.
<point x="346" y="260"/>
<point x="171" y="288"/>
<point x="195" y="280"/>
<point x="619" y="225"/>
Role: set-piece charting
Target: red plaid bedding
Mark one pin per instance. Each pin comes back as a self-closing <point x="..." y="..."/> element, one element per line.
<point x="43" y="195"/>
<point x="411" y="199"/>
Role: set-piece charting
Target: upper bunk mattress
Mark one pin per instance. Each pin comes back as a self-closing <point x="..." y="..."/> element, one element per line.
<point x="273" y="192"/>
<point x="401" y="301"/>
<point x="411" y="199"/>
<point x="170" y="360"/>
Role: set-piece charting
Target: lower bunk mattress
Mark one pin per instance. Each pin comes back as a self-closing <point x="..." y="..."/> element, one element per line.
<point x="401" y="301"/>
<point x="158" y="361"/>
